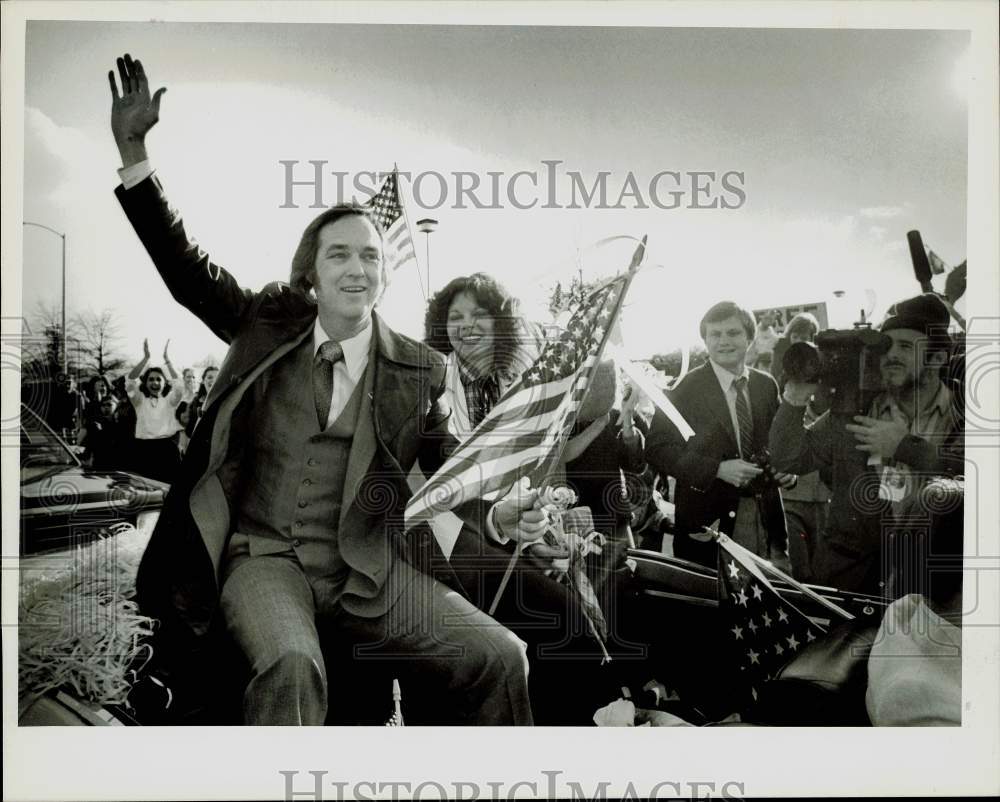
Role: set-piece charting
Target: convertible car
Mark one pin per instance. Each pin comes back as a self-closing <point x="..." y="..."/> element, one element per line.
<point x="65" y="504"/>
<point x="665" y="613"/>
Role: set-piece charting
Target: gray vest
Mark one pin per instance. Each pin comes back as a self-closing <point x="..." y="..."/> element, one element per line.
<point x="293" y="477"/>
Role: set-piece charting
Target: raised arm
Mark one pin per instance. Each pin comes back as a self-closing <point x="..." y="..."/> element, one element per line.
<point x="205" y="288"/>
<point x="166" y="361"/>
<point x="136" y="371"/>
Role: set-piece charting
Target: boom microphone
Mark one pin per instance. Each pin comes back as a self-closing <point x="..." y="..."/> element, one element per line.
<point x="921" y="265"/>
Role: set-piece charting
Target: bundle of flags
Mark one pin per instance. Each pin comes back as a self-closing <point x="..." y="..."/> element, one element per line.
<point x="525" y="432"/>
<point x="387" y="210"/>
<point x="763" y="630"/>
<point x="396" y="719"/>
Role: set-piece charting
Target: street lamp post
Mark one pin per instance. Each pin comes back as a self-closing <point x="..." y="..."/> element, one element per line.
<point x="427" y="226"/>
<point x="61" y="236"/>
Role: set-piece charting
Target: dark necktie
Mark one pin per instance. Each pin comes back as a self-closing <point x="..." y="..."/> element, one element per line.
<point x="743" y="418"/>
<point x="328" y="354"/>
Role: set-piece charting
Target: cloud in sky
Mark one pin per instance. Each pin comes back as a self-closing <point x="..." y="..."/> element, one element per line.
<point x="885" y="212"/>
<point x="822" y="198"/>
<point x="57" y="157"/>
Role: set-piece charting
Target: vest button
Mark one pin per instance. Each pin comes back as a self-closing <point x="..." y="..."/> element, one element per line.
<point x="298" y="524"/>
<point x="302" y="503"/>
<point x="310" y="462"/>
<point x="307" y="482"/>
<point x="296" y="542"/>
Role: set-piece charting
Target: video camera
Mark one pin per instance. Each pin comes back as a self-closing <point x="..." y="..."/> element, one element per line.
<point x="845" y="365"/>
<point x="844" y="362"/>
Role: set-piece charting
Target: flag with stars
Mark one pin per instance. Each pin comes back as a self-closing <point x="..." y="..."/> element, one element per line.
<point x="523" y="435"/>
<point x="386" y="209"/>
<point x="763" y="630"/>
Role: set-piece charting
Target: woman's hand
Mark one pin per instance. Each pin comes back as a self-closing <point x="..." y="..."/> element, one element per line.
<point x="133" y="112"/>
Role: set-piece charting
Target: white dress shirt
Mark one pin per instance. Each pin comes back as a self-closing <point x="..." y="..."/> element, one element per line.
<point x="347" y="372"/>
<point x="135" y="174"/>
<point x="727" y="380"/>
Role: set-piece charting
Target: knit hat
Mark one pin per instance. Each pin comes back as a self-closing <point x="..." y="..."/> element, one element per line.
<point x="924" y="313"/>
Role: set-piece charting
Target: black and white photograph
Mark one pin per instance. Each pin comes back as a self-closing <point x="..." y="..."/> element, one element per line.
<point x="399" y="374"/>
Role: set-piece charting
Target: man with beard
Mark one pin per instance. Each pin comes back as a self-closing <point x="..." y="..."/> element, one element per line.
<point x="911" y="433"/>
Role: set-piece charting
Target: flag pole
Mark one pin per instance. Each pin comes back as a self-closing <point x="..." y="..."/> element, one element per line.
<point x="768" y="565"/>
<point x="633" y="268"/>
<point x="399" y="191"/>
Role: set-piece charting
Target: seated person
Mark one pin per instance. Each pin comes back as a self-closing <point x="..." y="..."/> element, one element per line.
<point x="474" y="322"/>
<point x="270" y="533"/>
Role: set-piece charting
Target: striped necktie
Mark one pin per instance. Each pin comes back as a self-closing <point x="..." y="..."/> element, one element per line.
<point x="328" y="354"/>
<point x="744" y="418"/>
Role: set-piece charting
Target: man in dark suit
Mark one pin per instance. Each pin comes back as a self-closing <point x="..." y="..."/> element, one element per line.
<point x="285" y="522"/>
<point x="730" y="408"/>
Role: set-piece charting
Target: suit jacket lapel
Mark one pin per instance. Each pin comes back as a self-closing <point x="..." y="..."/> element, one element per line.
<point x="715" y="401"/>
<point x="206" y="502"/>
<point x="363" y="445"/>
<point x="758" y="409"/>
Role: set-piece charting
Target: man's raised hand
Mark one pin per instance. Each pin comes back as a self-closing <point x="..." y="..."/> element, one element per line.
<point x="133" y="112"/>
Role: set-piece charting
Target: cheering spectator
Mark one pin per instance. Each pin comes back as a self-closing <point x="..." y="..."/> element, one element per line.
<point x="96" y="391"/>
<point x="154" y="453"/>
<point x="105" y="438"/>
<point x="194" y="413"/>
<point x="190" y="388"/>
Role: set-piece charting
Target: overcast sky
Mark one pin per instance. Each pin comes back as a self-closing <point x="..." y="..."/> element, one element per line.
<point x="846" y="140"/>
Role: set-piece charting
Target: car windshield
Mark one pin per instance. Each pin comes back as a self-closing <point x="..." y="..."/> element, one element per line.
<point x="42" y="450"/>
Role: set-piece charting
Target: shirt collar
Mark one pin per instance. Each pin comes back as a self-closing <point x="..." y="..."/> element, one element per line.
<point x="726" y="378"/>
<point x="355" y="349"/>
<point x="885" y="406"/>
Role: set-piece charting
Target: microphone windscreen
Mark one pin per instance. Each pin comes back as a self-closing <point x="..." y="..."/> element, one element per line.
<point x="921" y="264"/>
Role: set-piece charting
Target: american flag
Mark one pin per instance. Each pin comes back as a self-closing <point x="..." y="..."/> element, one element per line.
<point x="938" y="265"/>
<point x="387" y="210"/>
<point x="522" y="434"/>
<point x="763" y="630"/>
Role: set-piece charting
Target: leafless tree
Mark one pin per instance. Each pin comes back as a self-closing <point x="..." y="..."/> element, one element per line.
<point x="100" y="340"/>
<point x="43" y="342"/>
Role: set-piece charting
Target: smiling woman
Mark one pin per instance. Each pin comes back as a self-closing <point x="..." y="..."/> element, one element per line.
<point x="476" y="323"/>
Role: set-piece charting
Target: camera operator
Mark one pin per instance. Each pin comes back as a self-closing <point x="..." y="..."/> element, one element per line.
<point x="910" y="434"/>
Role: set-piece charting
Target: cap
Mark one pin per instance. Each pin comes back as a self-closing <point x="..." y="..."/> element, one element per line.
<point x="924" y="313"/>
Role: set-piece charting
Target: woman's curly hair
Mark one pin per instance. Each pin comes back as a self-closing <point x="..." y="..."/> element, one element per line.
<point x="508" y="331"/>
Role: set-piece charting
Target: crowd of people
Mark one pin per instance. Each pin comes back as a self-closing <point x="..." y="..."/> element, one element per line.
<point x="139" y="421"/>
<point x="283" y="532"/>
